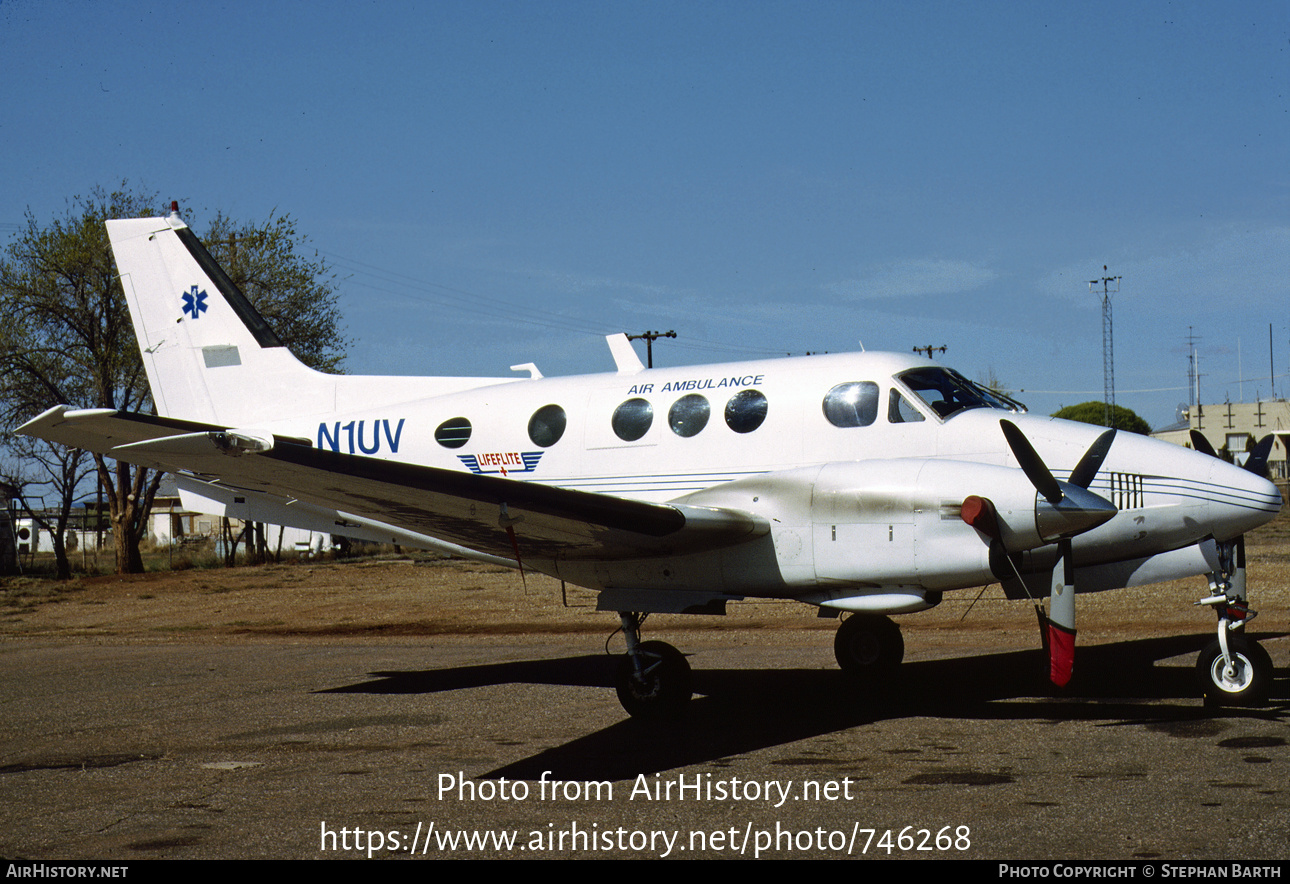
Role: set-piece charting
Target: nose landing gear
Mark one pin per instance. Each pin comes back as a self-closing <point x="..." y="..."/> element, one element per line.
<point x="1233" y="670"/>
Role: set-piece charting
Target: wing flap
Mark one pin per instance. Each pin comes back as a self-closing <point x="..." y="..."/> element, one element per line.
<point x="463" y="508"/>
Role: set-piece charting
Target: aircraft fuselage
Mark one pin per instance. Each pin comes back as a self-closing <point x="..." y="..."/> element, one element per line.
<point x="860" y="490"/>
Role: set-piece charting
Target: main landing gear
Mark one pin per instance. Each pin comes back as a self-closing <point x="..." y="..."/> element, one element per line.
<point x="654" y="677"/>
<point x="654" y="680"/>
<point x="869" y="647"/>
<point x="1233" y="669"/>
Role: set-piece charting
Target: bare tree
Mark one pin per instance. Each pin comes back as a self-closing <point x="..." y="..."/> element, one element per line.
<point x="39" y="471"/>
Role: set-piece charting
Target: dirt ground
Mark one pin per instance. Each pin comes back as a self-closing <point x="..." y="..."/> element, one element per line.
<point x="421" y="595"/>
<point x="230" y="713"/>
<point x="427" y="595"/>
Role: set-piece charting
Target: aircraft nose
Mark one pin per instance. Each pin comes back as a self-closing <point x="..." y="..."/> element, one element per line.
<point x="1238" y="499"/>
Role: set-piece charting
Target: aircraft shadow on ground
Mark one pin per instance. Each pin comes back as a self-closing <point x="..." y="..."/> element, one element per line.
<point x="739" y="711"/>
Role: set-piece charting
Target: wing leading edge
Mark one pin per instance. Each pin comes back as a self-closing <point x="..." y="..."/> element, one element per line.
<point x="466" y="509"/>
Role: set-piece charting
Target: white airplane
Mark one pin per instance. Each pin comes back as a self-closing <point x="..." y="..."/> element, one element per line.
<point x="867" y="484"/>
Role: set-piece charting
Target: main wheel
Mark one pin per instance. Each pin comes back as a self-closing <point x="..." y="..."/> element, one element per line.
<point x="868" y="646"/>
<point x="1245" y="682"/>
<point x="662" y="690"/>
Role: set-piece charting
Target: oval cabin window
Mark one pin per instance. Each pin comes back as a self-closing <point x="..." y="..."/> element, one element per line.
<point x="547" y="424"/>
<point x="746" y="410"/>
<point x="632" y="419"/>
<point x="453" y="433"/>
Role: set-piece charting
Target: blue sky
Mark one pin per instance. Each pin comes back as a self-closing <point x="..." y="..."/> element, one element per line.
<point x="504" y="182"/>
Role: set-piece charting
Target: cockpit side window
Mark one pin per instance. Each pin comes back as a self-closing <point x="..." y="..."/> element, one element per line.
<point x="947" y="392"/>
<point x="901" y="411"/>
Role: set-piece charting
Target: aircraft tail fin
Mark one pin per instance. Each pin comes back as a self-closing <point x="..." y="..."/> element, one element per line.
<point x="205" y="347"/>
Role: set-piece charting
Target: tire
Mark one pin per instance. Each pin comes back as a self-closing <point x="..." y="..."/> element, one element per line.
<point x="1251" y="680"/>
<point x="868" y="646"/>
<point x="664" y="692"/>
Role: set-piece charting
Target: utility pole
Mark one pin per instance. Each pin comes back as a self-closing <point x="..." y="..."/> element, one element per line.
<point x="1108" y="348"/>
<point x="929" y="350"/>
<point x="649" y="337"/>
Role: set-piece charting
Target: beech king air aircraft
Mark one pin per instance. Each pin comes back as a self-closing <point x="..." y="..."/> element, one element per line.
<point x="863" y="484"/>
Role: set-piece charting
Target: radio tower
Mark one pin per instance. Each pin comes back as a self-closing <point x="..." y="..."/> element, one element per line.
<point x="1108" y="348"/>
<point x="1193" y="369"/>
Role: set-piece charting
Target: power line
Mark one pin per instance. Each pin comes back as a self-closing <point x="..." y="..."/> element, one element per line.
<point x="461" y="299"/>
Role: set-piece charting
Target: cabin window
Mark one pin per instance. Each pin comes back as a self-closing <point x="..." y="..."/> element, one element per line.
<point x="746" y="410"/>
<point x="852" y="405"/>
<point x="632" y="419"/>
<point x="453" y="433"/>
<point x="899" y="410"/>
<point x="547" y="424"/>
<point x="689" y="415"/>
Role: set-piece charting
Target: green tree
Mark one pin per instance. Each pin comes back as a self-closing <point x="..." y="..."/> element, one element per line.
<point x="66" y="335"/>
<point x="1095" y="413"/>
<point x="290" y="285"/>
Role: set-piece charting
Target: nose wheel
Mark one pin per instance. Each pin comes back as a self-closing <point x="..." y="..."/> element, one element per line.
<point x="1233" y="670"/>
<point x="1240" y="677"/>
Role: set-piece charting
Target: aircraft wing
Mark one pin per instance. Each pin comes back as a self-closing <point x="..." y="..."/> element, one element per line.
<point x="463" y="508"/>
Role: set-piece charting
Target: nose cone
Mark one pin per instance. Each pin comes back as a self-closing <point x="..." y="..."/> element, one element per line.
<point x="1238" y="499"/>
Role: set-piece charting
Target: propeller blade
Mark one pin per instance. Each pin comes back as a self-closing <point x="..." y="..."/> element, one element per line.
<point x="1257" y="462"/>
<point x="1091" y="462"/>
<point x="1031" y="463"/>
<point x="1071" y="509"/>
<point x="1059" y="636"/>
<point x="1201" y="444"/>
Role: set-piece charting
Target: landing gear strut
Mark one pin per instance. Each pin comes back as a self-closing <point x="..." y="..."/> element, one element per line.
<point x="869" y="647"/>
<point x="1233" y="669"/>
<point x="654" y="677"/>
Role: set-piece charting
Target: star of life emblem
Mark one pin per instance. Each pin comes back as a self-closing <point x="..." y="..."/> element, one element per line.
<point x="194" y="302"/>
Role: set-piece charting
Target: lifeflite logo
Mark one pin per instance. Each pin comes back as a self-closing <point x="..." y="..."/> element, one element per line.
<point x="194" y="302"/>
<point x="507" y="462"/>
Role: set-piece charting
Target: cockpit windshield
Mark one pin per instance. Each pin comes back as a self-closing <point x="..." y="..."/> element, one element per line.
<point x="947" y="392"/>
